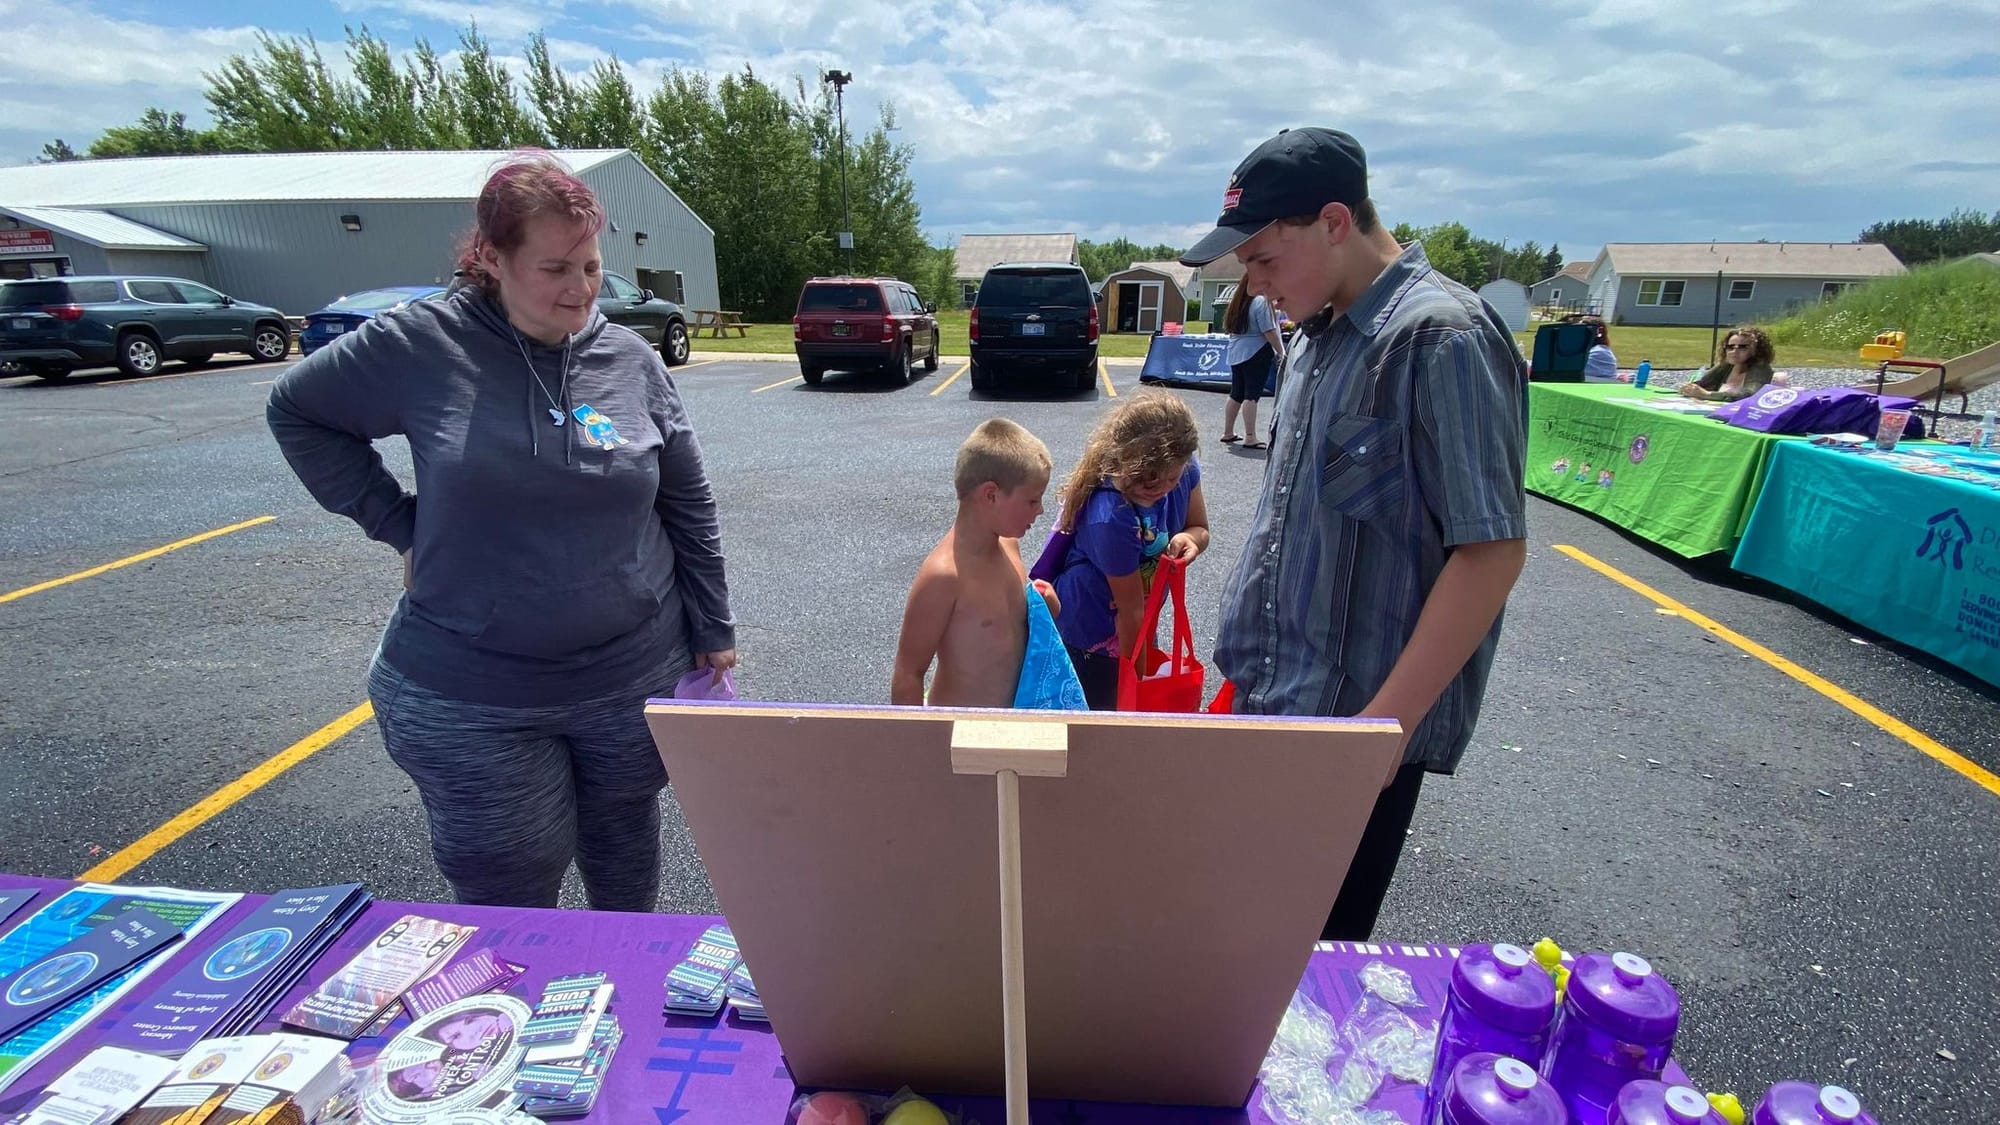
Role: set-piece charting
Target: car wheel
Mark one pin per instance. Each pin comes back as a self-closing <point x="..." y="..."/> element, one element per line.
<point x="905" y="369"/>
<point x="49" y="372"/>
<point x="982" y="381"/>
<point x="931" y="360"/>
<point x="1086" y="378"/>
<point x="138" y="354"/>
<point x="198" y="359"/>
<point x="674" y="349"/>
<point x="813" y="373"/>
<point x="271" y="344"/>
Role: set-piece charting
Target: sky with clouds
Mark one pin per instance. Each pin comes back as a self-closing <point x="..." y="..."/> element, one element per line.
<point x="1570" y="121"/>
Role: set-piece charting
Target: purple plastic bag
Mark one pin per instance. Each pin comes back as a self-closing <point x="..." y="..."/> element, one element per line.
<point x="700" y="684"/>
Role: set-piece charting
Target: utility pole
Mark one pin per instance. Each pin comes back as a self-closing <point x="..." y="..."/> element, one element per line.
<point x="840" y="79"/>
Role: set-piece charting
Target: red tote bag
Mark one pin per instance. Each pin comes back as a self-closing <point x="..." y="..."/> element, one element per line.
<point x="1174" y="683"/>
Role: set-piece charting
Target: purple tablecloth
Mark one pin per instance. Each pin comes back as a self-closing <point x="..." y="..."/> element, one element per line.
<point x="717" y="1070"/>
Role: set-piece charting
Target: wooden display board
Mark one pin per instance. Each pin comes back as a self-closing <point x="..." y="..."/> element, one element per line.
<point x="1173" y="883"/>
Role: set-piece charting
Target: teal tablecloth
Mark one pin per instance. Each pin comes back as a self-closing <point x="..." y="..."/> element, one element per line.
<point x="1633" y="457"/>
<point x="1884" y="541"/>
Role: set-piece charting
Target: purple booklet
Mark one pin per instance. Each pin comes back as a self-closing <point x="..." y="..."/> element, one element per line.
<point x="14" y="899"/>
<point x="247" y="969"/>
<point x="88" y="960"/>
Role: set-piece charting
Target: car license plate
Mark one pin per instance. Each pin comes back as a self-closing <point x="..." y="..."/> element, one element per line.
<point x="843" y="330"/>
<point x="1034" y="330"/>
<point x="19" y="322"/>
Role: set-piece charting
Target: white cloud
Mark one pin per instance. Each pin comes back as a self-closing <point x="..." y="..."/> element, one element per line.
<point x="1573" y="120"/>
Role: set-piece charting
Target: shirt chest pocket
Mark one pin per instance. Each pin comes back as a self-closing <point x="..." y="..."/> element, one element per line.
<point x="1361" y="467"/>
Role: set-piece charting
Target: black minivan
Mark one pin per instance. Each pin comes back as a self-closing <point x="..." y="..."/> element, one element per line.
<point x="1034" y="319"/>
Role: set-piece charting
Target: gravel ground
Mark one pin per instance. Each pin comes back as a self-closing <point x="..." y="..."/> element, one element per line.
<point x="1952" y="427"/>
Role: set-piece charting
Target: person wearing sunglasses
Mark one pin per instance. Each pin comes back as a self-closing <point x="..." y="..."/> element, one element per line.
<point x="1742" y="368"/>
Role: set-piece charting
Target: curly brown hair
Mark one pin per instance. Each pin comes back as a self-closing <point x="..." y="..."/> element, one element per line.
<point x="1137" y="441"/>
<point x="1761" y="349"/>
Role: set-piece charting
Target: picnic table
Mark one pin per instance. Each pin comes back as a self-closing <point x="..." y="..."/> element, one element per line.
<point x="718" y="322"/>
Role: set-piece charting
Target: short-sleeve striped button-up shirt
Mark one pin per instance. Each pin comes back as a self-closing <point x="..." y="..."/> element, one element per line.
<point x="1401" y="434"/>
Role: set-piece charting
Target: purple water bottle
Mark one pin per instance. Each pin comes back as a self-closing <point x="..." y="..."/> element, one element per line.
<point x="1647" y="1102"/>
<point x="1616" y="1025"/>
<point x="1490" y="1089"/>
<point x="1802" y="1103"/>
<point x="1500" y="1001"/>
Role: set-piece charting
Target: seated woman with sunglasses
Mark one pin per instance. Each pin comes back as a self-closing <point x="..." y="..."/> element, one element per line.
<point x="1742" y="368"/>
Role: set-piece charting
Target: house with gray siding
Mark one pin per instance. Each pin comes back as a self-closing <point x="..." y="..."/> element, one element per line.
<point x="297" y="230"/>
<point x="976" y="253"/>
<point x="1565" y="289"/>
<point x="1698" y="284"/>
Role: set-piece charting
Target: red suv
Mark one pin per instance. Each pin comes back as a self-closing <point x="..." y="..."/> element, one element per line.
<point x="864" y="323"/>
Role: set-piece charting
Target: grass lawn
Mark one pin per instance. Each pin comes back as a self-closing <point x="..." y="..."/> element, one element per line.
<point x="1668" y="348"/>
<point x="1671" y="348"/>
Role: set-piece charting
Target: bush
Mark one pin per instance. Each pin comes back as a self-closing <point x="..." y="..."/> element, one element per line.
<point x="1946" y="309"/>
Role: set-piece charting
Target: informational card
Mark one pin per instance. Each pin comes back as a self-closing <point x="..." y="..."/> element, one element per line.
<point x="460" y="1057"/>
<point x="354" y="998"/>
<point x="81" y="964"/>
<point x="69" y="915"/>
<point x="99" y="1089"/>
<point x="14" y="899"/>
<point x="230" y="989"/>
<point x="478" y="972"/>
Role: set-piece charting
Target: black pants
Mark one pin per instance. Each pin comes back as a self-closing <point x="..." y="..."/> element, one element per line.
<point x="1099" y="675"/>
<point x="1247" y="379"/>
<point x="1367" y="883"/>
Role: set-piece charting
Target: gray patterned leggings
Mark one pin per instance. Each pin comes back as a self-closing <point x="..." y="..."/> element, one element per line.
<point x="513" y="794"/>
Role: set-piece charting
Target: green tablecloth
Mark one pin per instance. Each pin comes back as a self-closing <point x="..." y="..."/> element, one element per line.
<point x="1914" y="557"/>
<point x="1683" y="481"/>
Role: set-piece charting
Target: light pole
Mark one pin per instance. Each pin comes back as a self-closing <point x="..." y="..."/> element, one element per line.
<point x="840" y="79"/>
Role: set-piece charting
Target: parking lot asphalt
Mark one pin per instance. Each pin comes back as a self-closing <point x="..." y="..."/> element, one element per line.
<point x="1822" y="893"/>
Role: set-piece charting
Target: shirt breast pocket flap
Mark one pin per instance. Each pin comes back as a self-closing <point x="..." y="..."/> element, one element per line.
<point x="1361" y="466"/>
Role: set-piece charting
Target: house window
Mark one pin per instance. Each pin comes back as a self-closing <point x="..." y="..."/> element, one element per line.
<point x="1832" y="289"/>
<point x="1741" y="290"/>
<point x="1654" y="291"/>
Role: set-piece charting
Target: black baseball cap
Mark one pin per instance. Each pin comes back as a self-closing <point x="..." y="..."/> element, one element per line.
<point x="1296" y="172"/>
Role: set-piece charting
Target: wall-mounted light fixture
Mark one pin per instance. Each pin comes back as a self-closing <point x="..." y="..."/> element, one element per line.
<point x="350" y="222"/>
<point x="639" y="237"/>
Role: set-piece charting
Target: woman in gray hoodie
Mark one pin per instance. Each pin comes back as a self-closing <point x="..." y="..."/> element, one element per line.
<point x="563" y="559"/>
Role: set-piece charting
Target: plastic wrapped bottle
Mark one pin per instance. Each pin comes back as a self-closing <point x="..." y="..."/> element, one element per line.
<point x="1616" y="1025"/>
<point x="1489" y="1089"/>
<point x="1647" y="1102"/>
<point x="1500" y="1001"/>
<point x="1803" y="1103"/>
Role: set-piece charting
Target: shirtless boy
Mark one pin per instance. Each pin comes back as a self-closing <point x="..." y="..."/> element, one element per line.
<point x="968" y="607"/>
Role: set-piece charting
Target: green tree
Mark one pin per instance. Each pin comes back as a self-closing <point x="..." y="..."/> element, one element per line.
<point x="57" y="152"/>
<point x="1102" y="259"/>
<point x="385" y="109"/>
<point x="283" y="99"/>
<point x="1552" y="264"/>
<point x="158" y="133"/>
<point x="434" y="89"/>
<point x="1915" y="241"/>
<point x="555" y="98"/>
<point x="490" y="112"/>
<point x="938" y="280"/>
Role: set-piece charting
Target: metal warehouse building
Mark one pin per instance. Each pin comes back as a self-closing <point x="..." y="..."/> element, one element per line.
<point x="296" y="230"/>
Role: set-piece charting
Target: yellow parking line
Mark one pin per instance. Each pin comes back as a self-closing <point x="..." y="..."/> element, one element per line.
<point x="145" y="847"/>
<point x="939" y="389"/>
<point x="1861" y="707"/>
<point x="1104" y="370"/>
<point x="128" y="561"/>
<point x="779" y="383"/>
<point x="693" y="365"/>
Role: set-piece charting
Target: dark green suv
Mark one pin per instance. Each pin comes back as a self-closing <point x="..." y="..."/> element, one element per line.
<point x="51" y="326"/>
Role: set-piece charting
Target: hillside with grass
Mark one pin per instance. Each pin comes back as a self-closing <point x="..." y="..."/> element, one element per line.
<point x="1946" y="309"/>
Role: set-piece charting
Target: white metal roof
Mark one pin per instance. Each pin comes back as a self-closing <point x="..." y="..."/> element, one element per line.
<point x="1758" y="259"/>
<point x="978" y="253"/>
<point x="264" y="177"/>
<point x="101" y="229"/>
